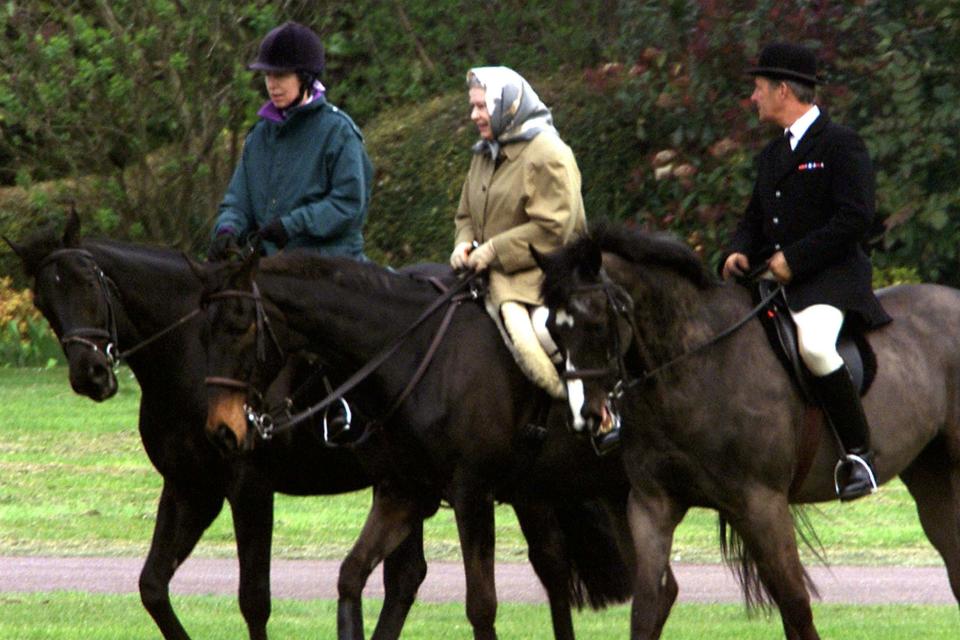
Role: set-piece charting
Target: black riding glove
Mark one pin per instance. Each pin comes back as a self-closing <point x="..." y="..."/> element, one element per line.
<point x="274" y="232"/>
<point x="222" y="246"/>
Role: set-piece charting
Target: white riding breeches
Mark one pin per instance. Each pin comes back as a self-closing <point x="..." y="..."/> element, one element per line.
<point x="818" y="327"/>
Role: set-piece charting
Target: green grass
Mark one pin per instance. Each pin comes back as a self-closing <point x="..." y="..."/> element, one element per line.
<point x="74" y="480"/>
<point x="80" y="616"/>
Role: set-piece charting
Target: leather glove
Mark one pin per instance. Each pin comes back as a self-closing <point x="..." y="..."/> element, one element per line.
<point x="222" y="245"/>
<point x="481" y="257"/>
<point x="275" y="232"/>
<point x="458" y="259"/>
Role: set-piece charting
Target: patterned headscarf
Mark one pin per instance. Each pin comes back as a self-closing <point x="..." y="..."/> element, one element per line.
<point x="516" y="112"/>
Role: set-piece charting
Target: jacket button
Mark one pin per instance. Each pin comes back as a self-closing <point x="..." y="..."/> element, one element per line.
<point x="776" y="220"/>
<point x="777" y="194"/>
<point x="777" y="246"/>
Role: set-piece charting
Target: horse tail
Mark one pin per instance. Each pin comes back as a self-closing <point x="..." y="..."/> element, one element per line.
<point x="600" y="575"/>
<point x="743" y="564"/>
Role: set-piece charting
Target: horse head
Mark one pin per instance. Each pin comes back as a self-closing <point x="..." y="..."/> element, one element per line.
<point x="74" y="296"/>
<point x="243" y="352"/>
<point x="588" y="321"/>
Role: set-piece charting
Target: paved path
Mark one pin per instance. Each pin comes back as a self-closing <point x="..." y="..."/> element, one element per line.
<point x="310" y="579"/>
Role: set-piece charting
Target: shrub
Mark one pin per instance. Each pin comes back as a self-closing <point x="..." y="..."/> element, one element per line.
<point x="25" y="337"/>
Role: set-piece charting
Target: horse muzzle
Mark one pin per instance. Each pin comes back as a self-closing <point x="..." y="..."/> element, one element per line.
<point x="92" y="375"/>
<point x="226" y="425"/>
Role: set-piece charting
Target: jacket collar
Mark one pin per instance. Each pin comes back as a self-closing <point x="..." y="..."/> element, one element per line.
<point x="807" y="142"/>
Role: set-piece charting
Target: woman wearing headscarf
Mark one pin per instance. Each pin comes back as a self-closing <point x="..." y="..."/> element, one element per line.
<point x="522" y="189"/>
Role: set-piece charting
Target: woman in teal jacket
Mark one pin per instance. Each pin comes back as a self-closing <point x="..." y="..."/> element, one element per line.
<point x="304" y="179"/>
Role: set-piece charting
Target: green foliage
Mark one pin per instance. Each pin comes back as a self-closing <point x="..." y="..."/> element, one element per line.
<point x="891" y="70"/>
<point x="26" y="339"/>
<point x="144" y="106"/>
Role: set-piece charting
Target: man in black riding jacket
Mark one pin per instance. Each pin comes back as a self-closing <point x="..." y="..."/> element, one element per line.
<point x="811" y="209"/>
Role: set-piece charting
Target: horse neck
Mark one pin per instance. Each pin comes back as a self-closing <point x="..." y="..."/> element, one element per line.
<point x="674" y="316"/>
<point x="154" y="288"/>
<point x="351" y="315"/>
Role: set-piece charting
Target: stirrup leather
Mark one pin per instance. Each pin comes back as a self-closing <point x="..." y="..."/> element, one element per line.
<point x="853" y="459"/>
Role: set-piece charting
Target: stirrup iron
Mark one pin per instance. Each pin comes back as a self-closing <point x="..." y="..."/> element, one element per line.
<point x="853" y="459"/>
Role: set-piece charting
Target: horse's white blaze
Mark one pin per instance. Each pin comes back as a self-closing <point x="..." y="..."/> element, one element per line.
<point x="576" y="397"/>
<point x="564" y="319"/>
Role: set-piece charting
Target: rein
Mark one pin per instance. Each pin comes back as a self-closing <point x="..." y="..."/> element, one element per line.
<point x="267" y="427"/>
<point x="623" y="308"/>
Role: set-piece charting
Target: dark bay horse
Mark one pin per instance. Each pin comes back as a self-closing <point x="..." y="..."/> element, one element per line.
<point x="89" y="290"/>
<point x="720" y="424"/>
<point x="459" y="435"/>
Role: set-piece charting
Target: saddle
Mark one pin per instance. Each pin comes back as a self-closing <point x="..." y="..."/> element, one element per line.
<point x="853" y="347"/>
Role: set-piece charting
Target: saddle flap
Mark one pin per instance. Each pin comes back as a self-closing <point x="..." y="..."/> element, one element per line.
<point x="781" y="331"/>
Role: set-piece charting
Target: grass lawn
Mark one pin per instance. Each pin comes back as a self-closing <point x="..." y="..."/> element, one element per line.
<point x="73" y="616"/>
<point x="74" y="480"/>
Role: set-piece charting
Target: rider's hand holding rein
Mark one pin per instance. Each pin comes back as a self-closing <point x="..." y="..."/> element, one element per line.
<point x="736" y="264"/>
<point x="482" y="257"/>
<point x="458" y="259"/>
<point x="779" y="268"/>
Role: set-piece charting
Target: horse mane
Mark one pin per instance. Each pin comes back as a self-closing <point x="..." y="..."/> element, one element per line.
<point x="361" y="276"/>
<point x="649" y="248"/>
<point x="637" y="247"/>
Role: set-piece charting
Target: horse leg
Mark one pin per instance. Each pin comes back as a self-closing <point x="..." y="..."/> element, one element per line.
<point x="473" y="509"/>
<point x="767" y="529"/>
<point x="179" y="525"/>
<point x="403" y="573"/>
<point x="546" y="550"/>
<point x="653" y="519"/>
<point x="938" y="505"/>
<point x="391" y="519"/>
<point x="252" y="507"/>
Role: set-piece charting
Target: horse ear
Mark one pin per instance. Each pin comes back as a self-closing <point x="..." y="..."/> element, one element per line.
<point x="198" y="268"/>
<point x="71" y="234"/>
<point x="17" y="249"/>
<point x="592" y="260"/>
<point x="251" y="264"/>
<point x="539" y="258"/>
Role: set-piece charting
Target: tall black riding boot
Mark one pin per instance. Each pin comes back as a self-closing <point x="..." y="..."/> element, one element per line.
<point x="855" y="476"/>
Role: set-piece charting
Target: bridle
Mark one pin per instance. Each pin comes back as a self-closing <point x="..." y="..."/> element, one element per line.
<point x="267" y="426"/>
<point x="88" y="336"/>
<point x="263" y="422"/>
<point x="620" y="308"/>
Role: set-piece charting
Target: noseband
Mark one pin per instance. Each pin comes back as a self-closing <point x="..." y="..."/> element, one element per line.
<point x="88" y="336"/>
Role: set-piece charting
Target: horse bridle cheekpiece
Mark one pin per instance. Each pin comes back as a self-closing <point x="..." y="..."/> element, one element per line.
<point x="619" y="310"/>
<point x="89" y="336"/>
<point x="261" y="421"/>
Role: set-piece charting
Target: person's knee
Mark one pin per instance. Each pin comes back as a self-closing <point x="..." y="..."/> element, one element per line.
<point x="821" y="358"/>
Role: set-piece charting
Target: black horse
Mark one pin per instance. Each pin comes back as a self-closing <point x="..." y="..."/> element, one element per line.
<point x="99" y="296"/>
<point x="460" y="433"/>
<point x="96" y="294"/>
<point x="718" y="423"/>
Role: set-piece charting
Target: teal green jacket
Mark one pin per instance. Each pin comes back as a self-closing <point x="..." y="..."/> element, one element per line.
<point x="311" y="170"/>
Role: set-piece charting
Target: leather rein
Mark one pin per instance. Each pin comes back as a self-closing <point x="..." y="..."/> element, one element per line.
<point x="620" y="307"/>
<point x="267" y="426"/>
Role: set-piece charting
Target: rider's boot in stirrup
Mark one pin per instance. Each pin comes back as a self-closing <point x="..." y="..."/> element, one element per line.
<point x="854" y="475"/>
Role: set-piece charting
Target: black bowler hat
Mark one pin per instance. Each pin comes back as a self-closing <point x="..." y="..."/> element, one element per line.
<point x="785" y="61"/>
